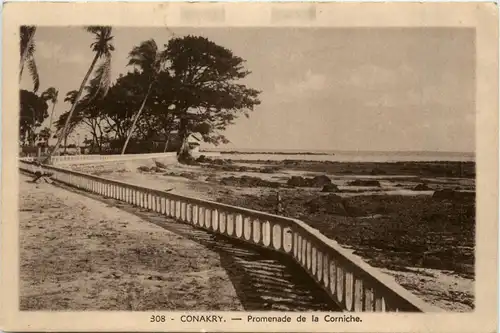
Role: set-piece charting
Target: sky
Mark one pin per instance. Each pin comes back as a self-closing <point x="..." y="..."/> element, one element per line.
<point x="376" y="89"/>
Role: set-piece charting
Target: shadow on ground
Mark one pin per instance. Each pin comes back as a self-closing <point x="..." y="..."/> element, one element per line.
<point x="263" y="280"/>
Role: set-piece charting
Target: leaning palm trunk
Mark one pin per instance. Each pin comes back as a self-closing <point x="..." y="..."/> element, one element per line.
<point x="184" y="152"/>
<point x="50" y="121"/>
<point x="132" y="128"/>
<point x="73" y="107"/>
<point x="166" y="145"/>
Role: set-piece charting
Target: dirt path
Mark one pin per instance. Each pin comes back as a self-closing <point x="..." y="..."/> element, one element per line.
<point x="81" y="252"/>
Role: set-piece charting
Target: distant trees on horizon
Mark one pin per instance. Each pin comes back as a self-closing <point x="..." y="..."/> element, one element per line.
<point x="188" y="86"/>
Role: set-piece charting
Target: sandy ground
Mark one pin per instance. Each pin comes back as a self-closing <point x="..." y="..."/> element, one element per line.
<point x="79" y="252"/>
<point x="442" y="288"/>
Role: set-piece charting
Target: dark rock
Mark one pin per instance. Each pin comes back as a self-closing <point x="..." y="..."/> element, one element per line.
<point x="421" y="187"/>
<point x="269" y="170"/>
<point x="156" y="169"/>
<point x="365" y="182"/>
<point x="330" y="188"/>
<point x="296" y="181"/>
<point x="160" y="165"/>
<point x="331" y="203"/>
<point x="202" y="159"/>
<point x="317" y="181"/>
<point x="143" y="168"/>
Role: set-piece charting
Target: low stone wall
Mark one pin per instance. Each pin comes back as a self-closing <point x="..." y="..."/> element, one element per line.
<point x="92" y="159"/>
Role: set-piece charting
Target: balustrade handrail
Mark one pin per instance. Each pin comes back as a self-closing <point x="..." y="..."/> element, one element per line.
<point x="378" y="280"/>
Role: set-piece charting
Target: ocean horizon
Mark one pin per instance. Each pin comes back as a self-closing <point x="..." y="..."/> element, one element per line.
<point x="342" y="156"/>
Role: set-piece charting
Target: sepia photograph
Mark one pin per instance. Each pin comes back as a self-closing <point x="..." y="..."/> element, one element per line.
<point x="291" y="169"/>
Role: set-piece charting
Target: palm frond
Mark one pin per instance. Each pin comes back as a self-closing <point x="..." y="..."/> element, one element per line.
<point x="27" y="32"/>
<point x="102" y="39"/>
<point x="51" y="94"/>
<point x="100" y="83"/>
<point x="34" y="73"/>
<point x="71" y="96"/>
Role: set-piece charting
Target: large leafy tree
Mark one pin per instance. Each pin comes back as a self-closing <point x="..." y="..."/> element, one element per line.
<point x="122" y="103"/>
<point x="33" y="112"/>
<point x="51" y="94"/>
<point x="27" y="49"/>
<point x="148" y="59"/>
<point x="208" y="97"/>
<point x="102" y="47"/>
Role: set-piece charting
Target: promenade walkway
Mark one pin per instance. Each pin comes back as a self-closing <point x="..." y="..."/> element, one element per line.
<point x="80" y="251"/>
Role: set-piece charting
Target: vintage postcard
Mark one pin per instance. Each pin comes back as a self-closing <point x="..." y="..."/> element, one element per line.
<point x="250" y="167"/>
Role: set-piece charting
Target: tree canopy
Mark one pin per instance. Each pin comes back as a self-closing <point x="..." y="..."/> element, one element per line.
<point x="33" y="111"/>
<point x="191" y="85"/>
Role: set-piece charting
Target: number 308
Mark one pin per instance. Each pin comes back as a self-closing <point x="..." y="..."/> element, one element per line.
<point x="157" y="319"/>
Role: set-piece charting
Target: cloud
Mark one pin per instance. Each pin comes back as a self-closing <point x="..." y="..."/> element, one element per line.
<point x="53" y="51"/>
<point x="311" y="82"/>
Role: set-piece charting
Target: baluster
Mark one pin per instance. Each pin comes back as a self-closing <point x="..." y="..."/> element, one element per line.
<point x="196" y="214"/>
<point x="349" y="290"/>
<point x="326" y="272"/>
<point x="313" y="260"/>
<point x="276" y="236"/>
<point x="163" y="205"/>
<point x="319" y="265"/>
<point x="230" y="223"/>
<point x="157" y="204"/>
<point x="340" y="284"/>
<point x="296" y="245"/>
<point x="379" y="303"/>
<point x="171" y="208"/>
<point x="248" y="228"/>
<point x="359" y="295"/>
<point x="257" y="231"/>
<point x="222" y="222"/>
<point x="208" y="218"/>
<point x="287" y="240"/>
<point x="174" y="208"/>
<point x="303" y="247"/>
<point x="266" y="234"/>
<point x="215" y="220"/>
<point x="239" y="225"/>
<point x="368" y="298"/>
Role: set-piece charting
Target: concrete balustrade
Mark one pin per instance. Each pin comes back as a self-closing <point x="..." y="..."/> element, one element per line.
<point x="348" y="280"/>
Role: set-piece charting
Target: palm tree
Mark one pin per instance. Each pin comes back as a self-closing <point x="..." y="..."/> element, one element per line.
<point x="27" y="48"/>
<point x="51" y="95"/>
<point x="70" y="98"/>
<point x="102" y="47"/>
<point x="149" y="60"/>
